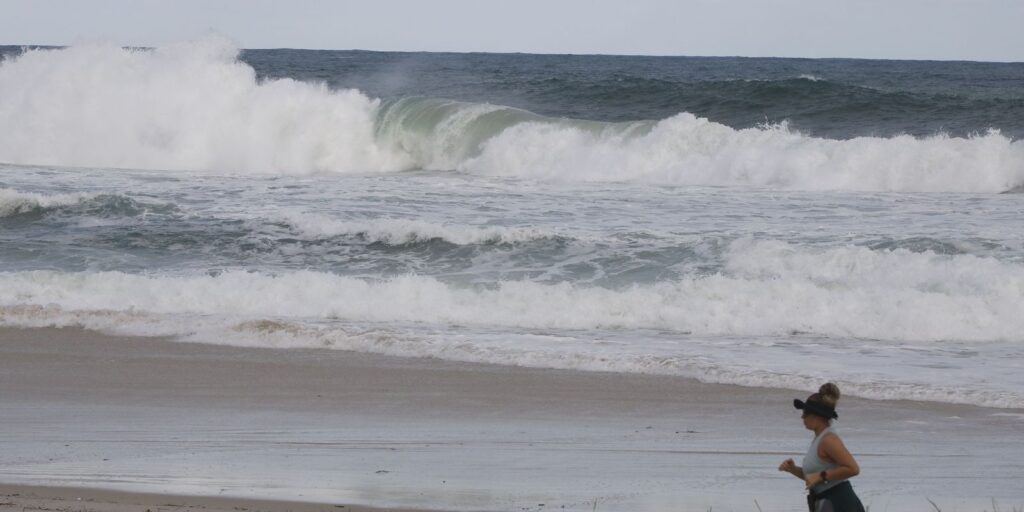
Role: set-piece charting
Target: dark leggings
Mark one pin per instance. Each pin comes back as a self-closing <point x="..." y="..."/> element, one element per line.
<point x="840" y="498"/>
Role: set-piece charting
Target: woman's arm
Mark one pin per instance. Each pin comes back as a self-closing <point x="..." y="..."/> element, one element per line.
<point x="833" y="449"/>
<point x="790" y="467"/>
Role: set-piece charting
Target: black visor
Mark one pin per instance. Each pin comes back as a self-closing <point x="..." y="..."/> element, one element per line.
<point x="816" y="408"/>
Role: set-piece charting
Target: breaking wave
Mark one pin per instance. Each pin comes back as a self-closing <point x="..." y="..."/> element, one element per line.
<point x="767" y="288"/>
<point x="848" y="300"/>
<point x="17" y="204"/>
<point x="13" y="202"/>
<point x="194" y="106"/>
<point x="409" y="231"/>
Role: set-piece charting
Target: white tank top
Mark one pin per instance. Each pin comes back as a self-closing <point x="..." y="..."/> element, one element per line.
<point x="814" y="464"/>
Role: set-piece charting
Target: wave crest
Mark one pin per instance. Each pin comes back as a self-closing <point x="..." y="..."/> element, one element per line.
<point x="409" y="231"/>
<point x="13" y="202"/>
<point x="688" y="150"/>
<point x="194" y="106"/>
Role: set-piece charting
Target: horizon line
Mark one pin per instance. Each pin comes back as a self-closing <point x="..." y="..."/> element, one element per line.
<point x="554" y="54"/>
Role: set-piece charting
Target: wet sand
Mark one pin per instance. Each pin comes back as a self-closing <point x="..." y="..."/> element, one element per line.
<point x="165" y="418"/>
<point x="65" y="499"/>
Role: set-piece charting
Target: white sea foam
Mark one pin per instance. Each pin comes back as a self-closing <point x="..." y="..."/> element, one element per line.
<point x="768" y="289"/>
<point x="404" y="231"/>
<point x="777" y="315"/>
<point x="13" y="202"/>
<point x="700" y="358"/>
<point x="194" y="106"/>
<point x="189" y="106"/>
<point x="688" y="150"/>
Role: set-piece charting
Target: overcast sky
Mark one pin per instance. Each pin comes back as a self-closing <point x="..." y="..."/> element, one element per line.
<point x="990" y="30"/>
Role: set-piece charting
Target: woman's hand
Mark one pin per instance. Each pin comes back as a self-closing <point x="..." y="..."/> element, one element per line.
<point x="788" y="466"/>
<point x="813" y="479"/>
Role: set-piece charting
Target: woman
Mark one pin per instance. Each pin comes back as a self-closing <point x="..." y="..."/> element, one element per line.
<point x="828" y="464"/>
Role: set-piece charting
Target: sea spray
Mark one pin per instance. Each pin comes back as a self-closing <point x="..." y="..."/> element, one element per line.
<point x="188" y="106"/>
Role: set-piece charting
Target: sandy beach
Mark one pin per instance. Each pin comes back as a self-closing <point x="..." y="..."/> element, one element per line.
<point x="264" y="429"/>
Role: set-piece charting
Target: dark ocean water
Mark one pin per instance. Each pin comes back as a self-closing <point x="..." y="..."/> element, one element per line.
<point x="836" y="98"/>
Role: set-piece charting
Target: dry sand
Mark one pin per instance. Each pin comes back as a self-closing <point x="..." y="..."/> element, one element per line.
<point x="166" y="418"/>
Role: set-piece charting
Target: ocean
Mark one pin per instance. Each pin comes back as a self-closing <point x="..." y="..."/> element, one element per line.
<point x="762" y="222"/>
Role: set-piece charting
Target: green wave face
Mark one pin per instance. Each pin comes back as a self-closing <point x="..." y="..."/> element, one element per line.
<point x="441" y="134"/>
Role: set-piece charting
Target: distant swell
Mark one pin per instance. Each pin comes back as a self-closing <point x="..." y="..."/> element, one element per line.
<point x="827" y="107"/>
<point x="196" y="107"/>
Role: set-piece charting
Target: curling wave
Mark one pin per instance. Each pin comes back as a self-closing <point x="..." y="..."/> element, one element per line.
<point x="194" y="106"/>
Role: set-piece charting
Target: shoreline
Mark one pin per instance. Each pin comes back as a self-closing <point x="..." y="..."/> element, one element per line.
<point x="89" y="410"/>
<point x="59" y="499"/>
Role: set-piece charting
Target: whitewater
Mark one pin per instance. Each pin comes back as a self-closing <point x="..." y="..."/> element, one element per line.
<point x="195" y="107"/>
<point x="392" y="206"/>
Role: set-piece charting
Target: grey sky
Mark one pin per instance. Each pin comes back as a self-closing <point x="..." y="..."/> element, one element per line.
<point x="893" y="29"/>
